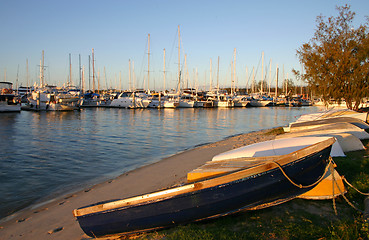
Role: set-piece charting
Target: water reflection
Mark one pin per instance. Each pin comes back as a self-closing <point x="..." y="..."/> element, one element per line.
<point x="53" y="152"/>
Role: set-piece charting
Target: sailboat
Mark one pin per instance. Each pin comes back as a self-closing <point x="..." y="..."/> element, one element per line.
<point x="220" y="97"/>
<point x="46" y="97"/>
<point x="136" y="98"/>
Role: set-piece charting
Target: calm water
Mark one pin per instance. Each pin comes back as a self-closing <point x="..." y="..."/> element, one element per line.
<point x="48" y="154"/>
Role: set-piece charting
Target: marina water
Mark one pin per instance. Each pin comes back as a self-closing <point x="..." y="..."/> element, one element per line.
<point x="48" y="154"/>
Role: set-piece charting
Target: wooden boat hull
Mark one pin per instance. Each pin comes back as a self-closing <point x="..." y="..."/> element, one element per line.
<point x="251" y="188"/>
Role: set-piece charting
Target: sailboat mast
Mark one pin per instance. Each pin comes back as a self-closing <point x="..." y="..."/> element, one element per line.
<point x="148" y="66"/>
<point x="70" y="70"/>
<point x="185" y="78"/>
<point x="234" y="70"/>
<point x="276" y="83"/>
<point x="42" y="70"/>
<point x="93" y="71"/>
<point x="164" y="70"/>
<point x="98" y="81"/>
<point x="179" y="60"/>
<point x="283" y="83"/>
<point x="106" y="83"/>
<point x="129" y="75"/>
<point x="120" y="81"/>
<point x="16" y="82"/>
<point x="302" y="71"/>
<point x="247" y="82"/>
<point x="89" y="72"/>
<point x="253" y="79"/>
<point x="262" y="72"/>
<point x="270" y="75"/>
<point x="80" y="71"/>
<point x="210" y="77"/>
<point x="134" y="76"/>
<point x="27" y="75"/>
<point x="83" y="79"/>
<point x="218" y="76"/>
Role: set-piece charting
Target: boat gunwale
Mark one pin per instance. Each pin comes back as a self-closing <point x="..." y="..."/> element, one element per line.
<point x="242" y="173"/>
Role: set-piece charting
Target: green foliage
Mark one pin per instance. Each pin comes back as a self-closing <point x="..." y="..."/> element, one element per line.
<point x="336" y="59"/>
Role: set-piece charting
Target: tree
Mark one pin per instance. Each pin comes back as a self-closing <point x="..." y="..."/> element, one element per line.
<point x="262" y="83"/>
<point x="336" y="59"/>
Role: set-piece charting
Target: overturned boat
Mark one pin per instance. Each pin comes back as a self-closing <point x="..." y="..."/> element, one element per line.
<point x="299" y="126"/>
<point x="265" y="182"/>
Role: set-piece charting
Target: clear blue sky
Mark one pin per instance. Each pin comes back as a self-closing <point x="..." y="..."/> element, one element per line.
<point x="118" y="31"/>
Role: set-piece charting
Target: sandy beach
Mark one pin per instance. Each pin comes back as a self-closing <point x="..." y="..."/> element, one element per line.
<point x="55" y="220"/>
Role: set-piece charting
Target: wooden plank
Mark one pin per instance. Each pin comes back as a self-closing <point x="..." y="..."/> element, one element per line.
<point x="217" y="168"/>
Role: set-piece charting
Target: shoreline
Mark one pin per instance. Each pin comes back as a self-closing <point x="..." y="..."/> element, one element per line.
<point x="54" y="219"/>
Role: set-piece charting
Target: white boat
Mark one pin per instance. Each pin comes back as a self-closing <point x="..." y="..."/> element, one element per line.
<point x="330" y="104"/>
<point x="46" y="97"/>
<point x="44" y="100"/>
<point x="342" y="127"/>
<point x="332" y="113"/>
<point x="223" y="101"/>
<point x="9" y="102"/>
<point x="156" y="100"/>
<point x="93" y="100"/>
<point x="275" y="148"/>
<point x="186" y="101"/>
<point x="260" y="100"/>
<point x="130" y="99"/>
<point x="300" y="126"/>
<point x="347" y="141"/>
<point x="171" y="100"/>
<point x="171" y="104"/>
<point x="260" y="103"/>
<point x="241" y="101"/>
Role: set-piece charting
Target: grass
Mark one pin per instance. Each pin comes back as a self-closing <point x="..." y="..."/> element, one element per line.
<point x="275" y="131"/>
<point x="296" y="219"/>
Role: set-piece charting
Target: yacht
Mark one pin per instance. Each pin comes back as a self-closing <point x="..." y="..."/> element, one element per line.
<point x="9" y="102"/>
<point x="129" y="99"/>
<point x="49" y="99"/>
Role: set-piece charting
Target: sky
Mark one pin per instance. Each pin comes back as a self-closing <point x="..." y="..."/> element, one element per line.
<point x="118" y="31"/>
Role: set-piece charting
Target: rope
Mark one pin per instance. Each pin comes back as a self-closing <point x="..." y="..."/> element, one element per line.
<point x="342" y="194"/>
<point x="300" y="185"/>
<point x="348" y="201"/>
<point x="366" y="194"/>
<point x="334" y="181"/>
<point x="329" y="166"/>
